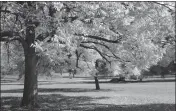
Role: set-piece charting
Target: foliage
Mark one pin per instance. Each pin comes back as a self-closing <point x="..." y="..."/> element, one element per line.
<point x="12" y="58"/>
<point x="130" y="32"/>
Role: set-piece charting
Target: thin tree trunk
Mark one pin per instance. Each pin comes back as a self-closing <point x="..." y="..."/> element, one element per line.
<point x="74" y="72"/>
<point x="97" y="83"/>
<point x="61" y="71"/>
<point x="77" y="58"/>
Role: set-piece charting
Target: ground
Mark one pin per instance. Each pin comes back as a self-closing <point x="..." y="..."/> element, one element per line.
<point x="78" y="94"/>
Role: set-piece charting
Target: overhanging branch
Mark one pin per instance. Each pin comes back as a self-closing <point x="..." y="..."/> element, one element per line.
<point x="8" y="36"/>
<point x="100" y="38"/>
<point x="103" y="54"/>
<point x="96" y="43"/>
<point x="115" y="56"/>
<point x="165" y="5"/>
<point x="94" y="48"/>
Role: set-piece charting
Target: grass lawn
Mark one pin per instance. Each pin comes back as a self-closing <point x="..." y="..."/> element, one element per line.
<point x="64" y="94"/>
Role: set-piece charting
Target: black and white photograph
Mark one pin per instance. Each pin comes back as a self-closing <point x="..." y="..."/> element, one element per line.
<point x="87" y="55"/>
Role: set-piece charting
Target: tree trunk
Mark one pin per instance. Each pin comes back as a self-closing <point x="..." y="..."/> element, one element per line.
<point x="30" y="83"/>
<point x="97" y="83"/>
<point x="30" y="91"/>
<point x="61" y="71"/>
<point x="77" y="58"/>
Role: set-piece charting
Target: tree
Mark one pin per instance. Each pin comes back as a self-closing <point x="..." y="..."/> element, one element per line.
<point x="141" y="27"/>
<point x="129" y="32"/>
<point x="21" y="16"/>
<point x="143" y="47"/>
<point x="101" y="67"/>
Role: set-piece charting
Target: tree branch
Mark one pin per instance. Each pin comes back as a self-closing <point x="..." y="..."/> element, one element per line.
<point x="165" y="5"/>
<point x="96" y="43"/>
<point x="109" y="55"/>
<point x="95" y="48"/>
<point x="8" y="36"/>
<point x="6" y="33"/>
<point x="87" y="64"/>
<point x="99" y="38"/>
<point x="115" y="56"/>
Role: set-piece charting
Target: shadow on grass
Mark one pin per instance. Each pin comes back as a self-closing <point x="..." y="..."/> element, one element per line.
<point x="7" y="80"/>
<point x="57" y="102"/>
<point x="57" y="90"/>
<point x="90" y="82"/>
<point x="47" y="82"/>
<point x="12" y="84"/>
<point x="71" y="90"/>
<point x="144" y="81"/>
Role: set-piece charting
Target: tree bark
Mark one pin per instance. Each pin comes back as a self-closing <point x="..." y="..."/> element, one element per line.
<point x="30" y="91"/>
<point x="30" y="83"/>
<point x="77" y="58"/>
<point x="97" y="83"/>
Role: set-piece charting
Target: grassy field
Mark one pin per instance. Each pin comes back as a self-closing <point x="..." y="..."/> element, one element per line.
<point x="64" y="94"/>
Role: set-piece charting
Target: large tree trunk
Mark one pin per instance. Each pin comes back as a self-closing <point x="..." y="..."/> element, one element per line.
<point x="97" y="83"/>
<point x="30" y="82"/>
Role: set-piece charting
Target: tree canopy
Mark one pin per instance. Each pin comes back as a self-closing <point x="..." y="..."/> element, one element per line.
<point x="135" y="35"/>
